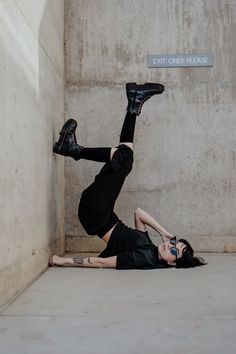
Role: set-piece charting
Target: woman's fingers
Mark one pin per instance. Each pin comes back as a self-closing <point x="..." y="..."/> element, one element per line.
<point x="50" y="262"/>
<point x="167" y="236"/>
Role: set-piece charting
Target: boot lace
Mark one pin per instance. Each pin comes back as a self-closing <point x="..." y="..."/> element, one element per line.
<point x="142" y="102"/>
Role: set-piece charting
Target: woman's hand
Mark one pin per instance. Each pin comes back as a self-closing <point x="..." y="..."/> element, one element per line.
<point x="166" y="236"/>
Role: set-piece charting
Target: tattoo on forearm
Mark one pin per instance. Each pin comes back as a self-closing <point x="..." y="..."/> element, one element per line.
<point x="81" y="260"/>
<point x="78" y="260"/>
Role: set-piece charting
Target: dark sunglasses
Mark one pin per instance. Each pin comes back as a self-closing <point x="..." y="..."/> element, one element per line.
<point x="174" y="250"/>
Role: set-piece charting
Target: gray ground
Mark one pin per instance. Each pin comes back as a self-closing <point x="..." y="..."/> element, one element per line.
<point x="104" y="311"/>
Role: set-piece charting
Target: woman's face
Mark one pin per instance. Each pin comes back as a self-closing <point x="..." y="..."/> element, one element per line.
<point x="164" y="250"/>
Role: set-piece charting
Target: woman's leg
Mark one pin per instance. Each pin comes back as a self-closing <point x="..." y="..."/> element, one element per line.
<point x="67" y="145"/>
<point x="97" y="201"/>
<point x="127" y="132"/>
<point x="104" y="154"/>
<point x="99" y="154"/>
<point x="128" y="128"/>
<point x="137" y="95"/>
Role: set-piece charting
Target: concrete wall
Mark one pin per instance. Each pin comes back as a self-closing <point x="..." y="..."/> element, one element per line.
<point x="32" y="110"/>
<point x="184" y="172"/>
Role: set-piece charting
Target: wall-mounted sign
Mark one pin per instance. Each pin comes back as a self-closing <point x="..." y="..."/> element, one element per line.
<point x="179" y="60"/>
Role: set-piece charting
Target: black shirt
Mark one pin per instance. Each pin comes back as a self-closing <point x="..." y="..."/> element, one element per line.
<point x="133" y="248"/>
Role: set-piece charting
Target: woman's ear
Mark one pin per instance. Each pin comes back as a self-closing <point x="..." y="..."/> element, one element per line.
<point x="171" y="263"/>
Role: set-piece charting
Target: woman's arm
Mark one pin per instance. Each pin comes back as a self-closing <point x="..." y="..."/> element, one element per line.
<point x="87" y="262"/>
<point x="142" y="218"/>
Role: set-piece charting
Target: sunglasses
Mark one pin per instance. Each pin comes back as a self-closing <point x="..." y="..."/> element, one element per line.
<point x="174" y="250"/>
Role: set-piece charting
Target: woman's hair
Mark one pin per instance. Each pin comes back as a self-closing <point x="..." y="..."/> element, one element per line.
<point x="188" y="259"/>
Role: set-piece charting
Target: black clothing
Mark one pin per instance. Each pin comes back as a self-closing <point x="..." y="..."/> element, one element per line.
<point x="127" y="131"/>
<point x="133" y="248"/>
<point x="97" y="201"/>
<point x="100" y="154"/>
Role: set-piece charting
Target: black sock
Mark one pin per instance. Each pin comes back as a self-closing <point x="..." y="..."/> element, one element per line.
<point x="127" y="131"/>
<point x="99" y="154"/>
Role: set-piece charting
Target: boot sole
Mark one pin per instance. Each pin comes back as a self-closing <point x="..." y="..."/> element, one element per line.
<point x="58" y="145"/>
<point x="132" y="86"/>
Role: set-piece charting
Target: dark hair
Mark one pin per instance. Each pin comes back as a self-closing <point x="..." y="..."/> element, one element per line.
<point x="188" y="260"/>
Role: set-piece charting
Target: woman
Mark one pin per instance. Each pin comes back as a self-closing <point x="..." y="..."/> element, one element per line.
<point x="127" y="248"/>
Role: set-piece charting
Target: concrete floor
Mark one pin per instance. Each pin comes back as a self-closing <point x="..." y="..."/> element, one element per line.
<point x="104" y="311"/>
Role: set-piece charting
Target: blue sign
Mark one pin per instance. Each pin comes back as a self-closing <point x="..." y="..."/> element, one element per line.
<point x="180" y="60"/>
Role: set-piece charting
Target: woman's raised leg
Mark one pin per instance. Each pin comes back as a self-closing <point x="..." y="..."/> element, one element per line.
<point x="67" y="144"/>
<point x="137" y="95"/>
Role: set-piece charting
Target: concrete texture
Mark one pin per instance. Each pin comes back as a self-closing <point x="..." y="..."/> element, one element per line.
<point x="184" y="172"/>
<point x="104" y="311"/>
<point x="32" y="110"/>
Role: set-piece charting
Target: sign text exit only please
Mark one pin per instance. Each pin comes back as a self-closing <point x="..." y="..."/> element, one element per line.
<point x="180" y="60"/>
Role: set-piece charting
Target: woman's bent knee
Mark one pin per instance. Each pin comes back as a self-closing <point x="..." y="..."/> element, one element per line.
<point x="130" y="145"/>
<point x="114" y="149"/>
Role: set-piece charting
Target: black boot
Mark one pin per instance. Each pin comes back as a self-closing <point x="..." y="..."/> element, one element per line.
<point x="67" y="144"/>
<point x="138" y="94"/>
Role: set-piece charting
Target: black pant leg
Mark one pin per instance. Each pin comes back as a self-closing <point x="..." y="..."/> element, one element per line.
<point x="98" y="200"/>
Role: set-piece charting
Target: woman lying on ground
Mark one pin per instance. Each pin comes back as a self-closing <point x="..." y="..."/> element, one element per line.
<point x="127" y="248"/>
